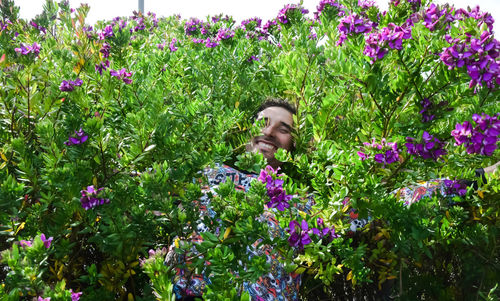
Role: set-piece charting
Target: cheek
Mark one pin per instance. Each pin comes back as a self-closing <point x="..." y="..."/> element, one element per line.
<point x="286" y="141"/>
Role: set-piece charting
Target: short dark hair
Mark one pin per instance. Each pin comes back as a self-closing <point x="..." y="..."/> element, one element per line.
<point x="275" y="102"/>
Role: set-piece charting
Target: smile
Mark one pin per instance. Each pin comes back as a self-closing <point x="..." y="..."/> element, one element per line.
<point x="264" y="145"/>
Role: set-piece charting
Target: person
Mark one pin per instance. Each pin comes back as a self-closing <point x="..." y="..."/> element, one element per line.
<point x="277" y="115"/>
<point x="427" y="189"/>
<point x="277" y="284"/>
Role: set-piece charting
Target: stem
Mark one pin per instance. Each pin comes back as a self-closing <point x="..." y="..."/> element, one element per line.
<point x="398" y="168"/>
<point x="118" y="100"/>
<point x="302" y="88"/>
<point x="400" y="278"/>
<point x="29" y="108"/>
<point x="393" y="110"/>
<point x="107" y="178"/>
<point x="103" y="163"/>
<point x="481" y="103"/>
<point x="333" y="109"/>
<point x="438" y="90"/>
<point x="409" y="73"/>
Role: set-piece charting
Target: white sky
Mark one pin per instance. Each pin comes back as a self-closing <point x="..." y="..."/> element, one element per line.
<point x="240" y="10"/>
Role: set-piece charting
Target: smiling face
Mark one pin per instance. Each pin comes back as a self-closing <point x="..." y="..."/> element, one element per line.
<point x="277" y="133"/>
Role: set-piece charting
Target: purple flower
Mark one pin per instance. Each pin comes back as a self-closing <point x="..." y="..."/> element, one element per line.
<point x="323" y="231"/>
<point x="46" y="241"/>
<point x="192" y="26"/>
<point x="353" y="24"/>
<point x="224" y="34"/>
<point x="431" y="148"/>
<point x="102" y="66"/>
<point x="312" y="35"/>
<point x="478" y="55"/>
<point x="290" y="12"/>
<point x="277" y="196"/>
<point x="454" y="187"/>
<point x="211" y="44"/>
<point x="363" y="156"/>
<point x="366" y="4"/>
<point x="43" y="299"/>
<point x="329" y="7"/>
<point x="89" y="31"/>
<point x="25" y="243"/>
<point x="299" y="234"/>
<point x="377" y="44"/>
<point x="266" y="174"/>
<point x="122" y="75"/>
<point x="39" y="27"/>
<point x="428" y="108"/>
<point x="172" y="45"/>
<point x="68" y="86"/>
<point x="27" y="49"/>
<point x="90" y="198"/>
<point x="253" y="58"/>
<point x="4" y="25"/>
<point x="79" y="139"/>
<point x="388" y="157"/>
<point x="481" y="139"/>
<point x="251" y="24"/>
<point x="105" y="50"/>
<point x="107" y="32"/>
<point x="75" y="296"/>
<point x="433" y="15"/>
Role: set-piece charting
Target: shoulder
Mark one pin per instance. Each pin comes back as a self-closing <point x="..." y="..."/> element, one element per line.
<point x="218" y="173"/>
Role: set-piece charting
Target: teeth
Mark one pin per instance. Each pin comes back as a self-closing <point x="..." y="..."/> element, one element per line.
<point x="266" y="146"/>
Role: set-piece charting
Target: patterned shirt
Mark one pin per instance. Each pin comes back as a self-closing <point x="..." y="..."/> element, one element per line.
<point x="277" y="284"/>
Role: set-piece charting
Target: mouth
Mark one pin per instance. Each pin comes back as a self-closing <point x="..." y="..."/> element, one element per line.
<point x="266" y="146"/>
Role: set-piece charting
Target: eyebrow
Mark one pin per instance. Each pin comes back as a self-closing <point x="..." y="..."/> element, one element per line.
<point x="282" y="123"/>
<point x="289" y="127"/>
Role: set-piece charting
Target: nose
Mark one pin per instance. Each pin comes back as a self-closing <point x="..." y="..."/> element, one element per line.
<point x="267" y="130"/>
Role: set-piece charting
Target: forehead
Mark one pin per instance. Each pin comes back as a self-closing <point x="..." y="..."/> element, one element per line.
<point x="277" y="114"/>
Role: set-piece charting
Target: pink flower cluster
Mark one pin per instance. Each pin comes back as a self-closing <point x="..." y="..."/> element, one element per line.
<point x="483" y="138"/>
<point x="153" y="255"/>
<point x="224" y="34"/>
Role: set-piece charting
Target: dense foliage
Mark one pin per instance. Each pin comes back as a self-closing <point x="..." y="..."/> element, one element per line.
<point x="103" y="129"/>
